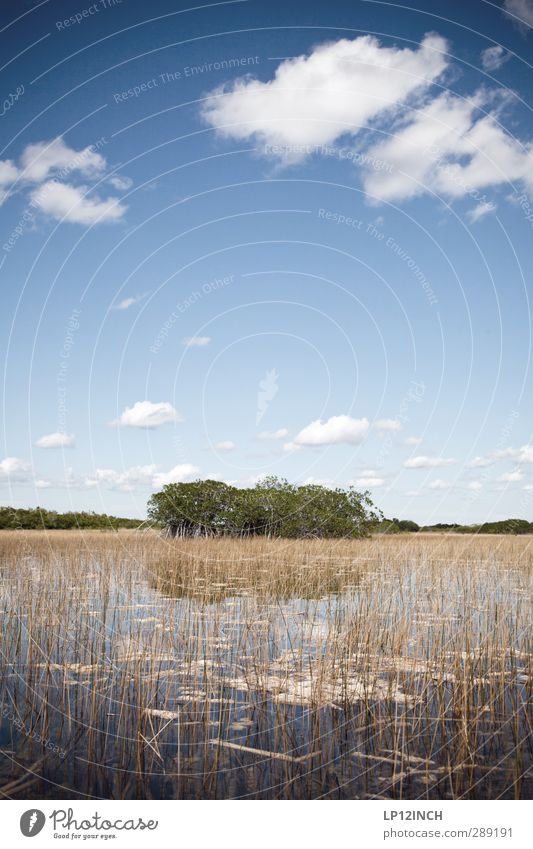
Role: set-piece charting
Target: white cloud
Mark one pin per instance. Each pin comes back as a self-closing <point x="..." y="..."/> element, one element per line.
<point x="482" y="209"/>
<point x="367" y="481"/>
<point x="290" y="447"/>
<point x="450" y="145"/>
<point x="447" y="148"/>
<point x="196" y="341"/>
<point x="387" y="425"/>
<point x="226" y="445"/>
<point x="146" y="414"/>
<point x="42" y="158"/>
<point x="412" y="440"/>
<point x="439" y="484"/>
<point x="14" y="469"/>
<point x="520" y="10"/>
<point x="338" y="430"/>
<point x="122" y="184"/>
<point x="56" y="440"/>
<point x="281" y="433"/>
<point x="475" y="486"/>
<point x="480" y="462"/>
<point x="126" y="481"/>
<point x="179" y="474"/>
<point x="519" y="455"/>
<point x="139" y="477"/>
<point x="8" y="172"/>
<point x="422" y="462"/>
<point x="42" y="484"/>
<point x="511" y="477"/>
<point x="130" y="302"/>
<point x="312" y="481"/>
<point x="335" y="90"/>
<point x="494" y="57"/>
<point x="70" y="203"/>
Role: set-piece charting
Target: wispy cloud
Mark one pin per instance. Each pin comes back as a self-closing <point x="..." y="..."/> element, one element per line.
<point x="481" y="210"/>
<point x="521" y="11"/>
<point x="494" y="57"/>
<point x="196" y="341"/>
<point x="281" y="433"/>
<point x="131" y="301"/>
<point x="387" y="425"/>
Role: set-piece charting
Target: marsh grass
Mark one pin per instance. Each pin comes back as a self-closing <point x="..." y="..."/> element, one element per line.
<point x="138" y="667"/>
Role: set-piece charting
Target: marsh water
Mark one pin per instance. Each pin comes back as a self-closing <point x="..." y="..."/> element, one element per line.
<point x="337" y="674"/>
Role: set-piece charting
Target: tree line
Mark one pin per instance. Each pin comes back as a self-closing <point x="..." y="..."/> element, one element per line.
<point x="273" y="507"/>
<point x="505" y="526"/>
<point x="17" y="518"/>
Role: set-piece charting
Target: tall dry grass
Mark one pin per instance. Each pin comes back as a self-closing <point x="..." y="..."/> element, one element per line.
<point x="134" y="666"/>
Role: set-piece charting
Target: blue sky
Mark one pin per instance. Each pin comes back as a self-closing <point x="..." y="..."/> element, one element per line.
<point x="247" y="239"/>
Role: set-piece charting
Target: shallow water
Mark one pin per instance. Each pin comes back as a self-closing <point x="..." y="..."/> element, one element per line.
<point x="124" y="678"/>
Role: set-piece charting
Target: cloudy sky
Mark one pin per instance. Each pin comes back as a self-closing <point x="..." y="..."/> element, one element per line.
<point x="268" y="238"/>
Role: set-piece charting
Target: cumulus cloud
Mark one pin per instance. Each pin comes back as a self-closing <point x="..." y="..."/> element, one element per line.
<point x="521" y="11"/>
<point x="146" y="414"/>
<point x="56" y="440"/>
<point x="511" y="477"/>
<point x="387" y="425"/>
<point x="39" y="160"/>
<point x="338" y="430"/>
<point x="14" y="469"/>
<point x="367" y="481"/>
<point x="494" y="57"/>
<point x="126" y="480"/>
<point x="412" y="440"/>
<point x="335" y="90"/>
<point x="179" y="474"/>
<point x="423" y="462"/>
<point x="42" y="484"/>
<point x="225" y="445"/>
<point x="439" y="484"/>
<point x="196" y="341"/>
<point x="281" y="433"/>
<point x="447" y="148"/>
<point x="134" y="477"/>
<point x="521" y="455"/>
<point x="480" y="462"/>
<point x="475" y="486"/>
<point x="50" y="166"/>
<point x="130" y="302"/>
<point x="450" y="145"/>
<point x="71" y="203"/>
